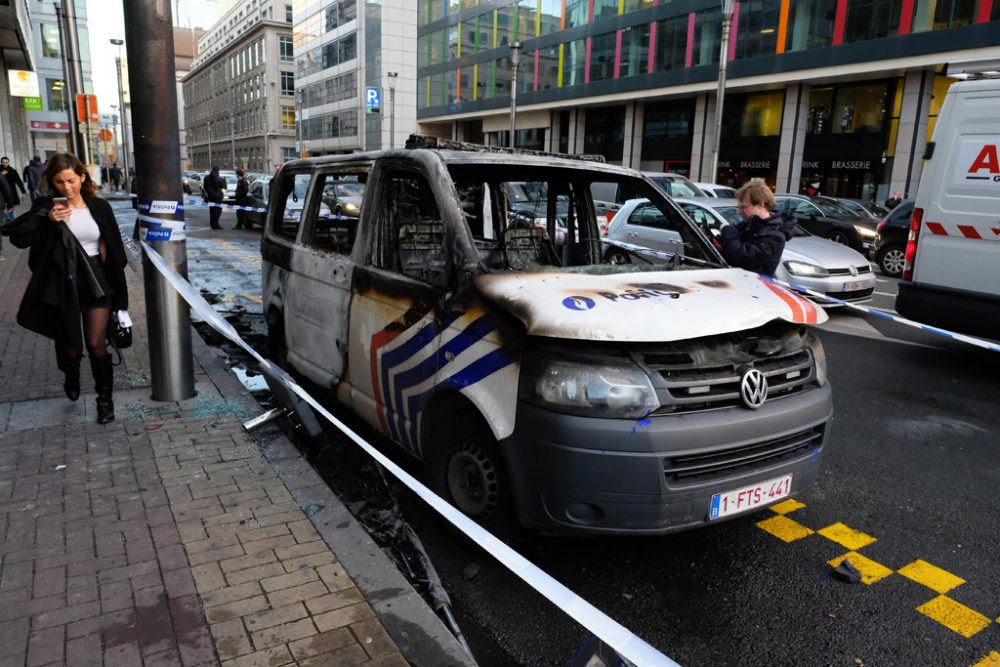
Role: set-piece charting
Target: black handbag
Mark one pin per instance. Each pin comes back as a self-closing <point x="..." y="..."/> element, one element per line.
<point x="120" y="336"/>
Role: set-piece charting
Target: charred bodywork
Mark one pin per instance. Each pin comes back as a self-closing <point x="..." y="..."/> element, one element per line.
<point x="468" y="313"/>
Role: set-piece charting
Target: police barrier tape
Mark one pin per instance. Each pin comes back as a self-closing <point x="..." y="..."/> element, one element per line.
<point x="179" y="207"/>
<point x="628" y="645"/>
<point x="986" y="345"/>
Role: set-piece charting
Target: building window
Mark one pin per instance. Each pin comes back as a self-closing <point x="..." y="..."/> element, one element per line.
<point x="872" y="19"/>
<point x="602" y="57"/>
<point x="50" y="41"/>
<point x="56" y="93"/>
<point x="604" y="132"/>
<point x="943" y="14"/>
<point x="758" y="28"/>
<point x="285" y="53"/>
<point x="287" y="83"/>
<point x="848" y="109"/>
<point x="671" y="44"/>
<point x="288" y="13"/>
<point x="810" y="24"/>
<point x="753" y="116"/>
<point x="287" y="118"/>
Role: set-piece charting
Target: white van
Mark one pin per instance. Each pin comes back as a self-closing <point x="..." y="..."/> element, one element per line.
<point x="536" y="382"/>
<point x="951" y="277"/>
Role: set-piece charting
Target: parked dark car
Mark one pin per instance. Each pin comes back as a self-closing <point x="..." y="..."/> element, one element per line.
<point x="824" y="216"/>
<point x="865" y="208"/>
<point x="889" y="248"/>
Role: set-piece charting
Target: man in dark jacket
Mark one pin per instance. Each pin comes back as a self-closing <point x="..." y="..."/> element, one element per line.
<point x="214" y="186"/>
<point x="242" y="199"/>
<point x="13" y="179"/>
<point x="756" y="244"/>
<point x="33" y="176"/>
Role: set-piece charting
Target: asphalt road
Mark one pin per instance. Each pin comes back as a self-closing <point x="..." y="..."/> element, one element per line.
<point x="911" y="482"/>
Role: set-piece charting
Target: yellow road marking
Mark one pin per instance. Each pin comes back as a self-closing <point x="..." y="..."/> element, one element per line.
<point x="846" y="536"/>
<point x="992" y="660"/>
<point x="787" y="506"/>
<point x="954" y="616"/>
<point x="931" y="576"/>
<point x="253" y="297"/>
<point x="869" y="569"/>
<point x="784" y="528"/>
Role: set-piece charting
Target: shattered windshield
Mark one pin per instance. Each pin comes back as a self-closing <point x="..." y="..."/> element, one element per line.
<point x="542" y="219"/>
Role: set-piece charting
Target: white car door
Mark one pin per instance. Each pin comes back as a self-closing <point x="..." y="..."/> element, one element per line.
<point x="647" y="226"/>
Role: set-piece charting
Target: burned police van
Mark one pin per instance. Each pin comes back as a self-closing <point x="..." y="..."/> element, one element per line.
<point x="470" y="311"/>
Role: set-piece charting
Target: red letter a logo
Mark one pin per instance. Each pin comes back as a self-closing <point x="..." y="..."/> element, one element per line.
<point x="987" y="160"/>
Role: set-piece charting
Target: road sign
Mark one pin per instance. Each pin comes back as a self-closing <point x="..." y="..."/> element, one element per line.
<point x="86" y="107"/>
<point x="105" y="135"/>
<point x="373" y="98"/>
<point x="23" y="83"/>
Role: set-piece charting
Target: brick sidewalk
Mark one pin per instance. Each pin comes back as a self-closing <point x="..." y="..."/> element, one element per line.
<point x="173" y="537"/>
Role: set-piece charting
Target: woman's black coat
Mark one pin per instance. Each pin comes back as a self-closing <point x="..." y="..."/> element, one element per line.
<point x="50" y="306"/>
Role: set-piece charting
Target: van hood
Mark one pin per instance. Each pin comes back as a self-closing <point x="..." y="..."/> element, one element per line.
<point x="654" y="306"/>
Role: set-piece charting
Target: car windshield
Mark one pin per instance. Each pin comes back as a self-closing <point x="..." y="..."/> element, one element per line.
<point x="677" y="186"/>
<point x="349" y="189"/>
<point x="542" y="219"/>
<point x="833" y="208"/>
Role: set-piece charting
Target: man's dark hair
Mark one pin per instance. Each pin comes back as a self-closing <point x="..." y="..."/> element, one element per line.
<point x="239" y="173"/>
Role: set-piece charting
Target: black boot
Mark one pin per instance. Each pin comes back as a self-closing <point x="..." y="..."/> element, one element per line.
<point x="71" y="385"/>
<point x="104" y="384"/>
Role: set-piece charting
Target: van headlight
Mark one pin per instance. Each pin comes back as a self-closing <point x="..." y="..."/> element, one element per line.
<point x="865" y="232"/>
<point x="587" y="387"/>
<point x="819" y="358"/>
<point x="804" y="269"/>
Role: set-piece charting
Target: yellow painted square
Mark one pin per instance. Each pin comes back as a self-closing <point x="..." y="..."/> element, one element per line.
<point x="787" y="506"/>
<point x="992" y="660"/>
<point x="954" y="616"/>
<point x="846" y="536"/>
<point x="869" y="569"/>
<point x="931" y="576"/>
<point x="784" y="528"/>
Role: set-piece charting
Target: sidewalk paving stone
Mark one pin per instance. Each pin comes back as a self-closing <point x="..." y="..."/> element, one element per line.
<point x="167" y="537"/>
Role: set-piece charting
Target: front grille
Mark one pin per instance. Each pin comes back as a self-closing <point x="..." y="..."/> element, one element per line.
<point x="858" y="270"/>
<point x="698" y="387"/>
<point x="852" y="296"/>
<point x="691" y="468"/>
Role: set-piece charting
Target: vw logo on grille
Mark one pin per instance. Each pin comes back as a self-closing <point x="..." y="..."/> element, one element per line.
<point x="854" y="270"/>
<point x="753" y="388"/>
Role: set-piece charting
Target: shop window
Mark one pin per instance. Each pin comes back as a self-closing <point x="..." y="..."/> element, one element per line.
<point x="635" y="51"/>
<point x="604" y="132"/>
<point x="602" y="57"/>
<point x="754" y="116"/>
<point x="810" y="24"/>
<point x="943" y="14"/>
<point x="872" y="19"/>
<point x="859" y="109"/>
<point x="671" y="43"/>
<point x="758" y="28"/>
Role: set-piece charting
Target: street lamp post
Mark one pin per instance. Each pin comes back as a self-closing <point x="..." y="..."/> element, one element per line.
<point x="720" y="96"/>
<point x="392" y="108"/>
<point x="515" y="58"/>
<point x="121" y="105"/>
<point x="209" y="144"/>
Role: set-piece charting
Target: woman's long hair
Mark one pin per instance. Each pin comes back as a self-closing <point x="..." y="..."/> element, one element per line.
<point x="61" y="162"/>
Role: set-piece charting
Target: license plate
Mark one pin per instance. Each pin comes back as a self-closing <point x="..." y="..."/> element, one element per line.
<point x="856" y="285"/>
<point x="749" y="497"/>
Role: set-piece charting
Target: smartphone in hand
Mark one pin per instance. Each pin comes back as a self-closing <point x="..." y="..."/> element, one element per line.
<point x="60" y="202"/>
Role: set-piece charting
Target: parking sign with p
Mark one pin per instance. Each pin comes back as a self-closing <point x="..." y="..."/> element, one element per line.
<point x="373" y="99"/>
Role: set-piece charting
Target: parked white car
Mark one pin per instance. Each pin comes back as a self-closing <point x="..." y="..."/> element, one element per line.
<point x="716" y="190"/>
<point x="809" y="261"/>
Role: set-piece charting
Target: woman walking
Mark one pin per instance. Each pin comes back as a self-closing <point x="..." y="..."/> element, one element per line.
<point x="78" y="263"/>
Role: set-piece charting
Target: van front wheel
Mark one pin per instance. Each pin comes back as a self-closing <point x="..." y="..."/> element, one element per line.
<point x="466" y="468"/>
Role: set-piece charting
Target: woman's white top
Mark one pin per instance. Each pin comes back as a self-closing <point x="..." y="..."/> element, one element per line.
<point x="85" y="229"/>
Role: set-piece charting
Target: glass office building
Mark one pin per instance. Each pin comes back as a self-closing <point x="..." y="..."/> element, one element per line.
<point x="844" y="92"/>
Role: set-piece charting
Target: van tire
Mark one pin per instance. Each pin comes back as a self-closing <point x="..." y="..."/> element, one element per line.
<point x="891" y="261"/>
<point x="466" y="467"/>
<point x="617" y="256"/>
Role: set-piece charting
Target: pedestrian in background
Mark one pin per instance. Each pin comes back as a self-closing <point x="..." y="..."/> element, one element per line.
<point x="214" y="186"/>
<point x="242" y="199"/>
<point x="757" y="242"/>
<point x="893" y="201"/>
<point x="116" y="177"/>
<point x="77" y="263"/>
<point x="6" y="206"/>
<point x="13" y="179"/>
<point x="33" y="176"/>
